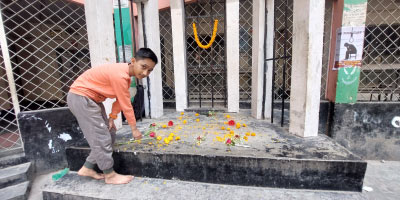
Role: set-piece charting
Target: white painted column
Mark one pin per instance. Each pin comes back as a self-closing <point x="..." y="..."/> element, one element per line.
<point x="232" y="54"/>
<point x="269" y="54"/>
<point x="258" y="58"/>
<point x="152" y="31"/>
<point x="308" y="29"/>
<point x="179" y="46"/>
<point x="8" y="67"/>
<point x="100" y="30"/>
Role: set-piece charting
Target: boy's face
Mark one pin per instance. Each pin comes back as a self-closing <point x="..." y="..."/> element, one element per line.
<point x="141" y="68"/>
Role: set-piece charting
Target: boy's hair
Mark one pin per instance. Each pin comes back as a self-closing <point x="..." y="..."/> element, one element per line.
<point x="143" y="53"/>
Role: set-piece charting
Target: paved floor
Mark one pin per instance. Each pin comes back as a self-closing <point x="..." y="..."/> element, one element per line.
<point x="382" y="177"/>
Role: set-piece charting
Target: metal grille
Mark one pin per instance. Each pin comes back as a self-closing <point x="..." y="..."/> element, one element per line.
<point x="380" y="74"/>
<point x="245" y="49"/>
<point x="326" y="46"/>
<point x="283" y="47"/>
<point x="48" y="46"/>
<point x="167" y="64"/>
<point x="206" y="67"/>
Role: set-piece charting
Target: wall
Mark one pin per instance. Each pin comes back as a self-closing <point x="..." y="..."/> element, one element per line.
<point x="370" y="130"/>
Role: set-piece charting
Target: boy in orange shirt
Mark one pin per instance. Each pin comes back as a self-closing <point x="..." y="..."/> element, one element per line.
<point x="85" y="101"/>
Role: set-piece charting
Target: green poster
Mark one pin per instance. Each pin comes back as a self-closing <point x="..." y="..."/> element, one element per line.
<point x="347" y="84"/>
<point x="123" y="16"/>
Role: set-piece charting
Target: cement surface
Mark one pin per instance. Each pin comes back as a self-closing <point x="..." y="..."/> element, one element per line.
<point x="270" y="141"/>
<point x="383" y="178"/>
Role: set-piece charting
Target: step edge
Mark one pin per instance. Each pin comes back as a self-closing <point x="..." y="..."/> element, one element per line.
<point x="25" y="190"/>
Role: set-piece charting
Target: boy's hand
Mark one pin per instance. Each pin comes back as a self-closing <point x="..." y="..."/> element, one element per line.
<point x="111" y="124"/>
<point x="136" y="134"/>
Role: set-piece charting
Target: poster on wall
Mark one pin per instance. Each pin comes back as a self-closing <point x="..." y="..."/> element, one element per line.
<point x="349" y="47"/>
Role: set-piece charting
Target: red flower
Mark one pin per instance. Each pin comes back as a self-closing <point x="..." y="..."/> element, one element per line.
<point x="229" y="141"/>
<point x="199" y="138"/>
<point x="170" y="123"/>
<point x="231" y="123"/>
<point x="237" y="136"/>
<point x="153" y="124"/>
<point x="152" y="134"/>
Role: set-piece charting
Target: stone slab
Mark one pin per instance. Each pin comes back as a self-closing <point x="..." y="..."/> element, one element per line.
<point x="15" y="192"/>
<point x="272" y="158"/>
<point x="15" y="174"/>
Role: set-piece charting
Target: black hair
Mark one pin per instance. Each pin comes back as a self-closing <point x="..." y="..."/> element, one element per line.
<point x="143" y="53"/>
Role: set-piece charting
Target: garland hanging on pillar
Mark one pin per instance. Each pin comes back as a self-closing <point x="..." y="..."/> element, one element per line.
<point x="214" y="34"/>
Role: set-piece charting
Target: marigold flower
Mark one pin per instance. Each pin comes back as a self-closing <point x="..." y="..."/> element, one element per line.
<point x="182" y="113"/>
<point x="237" y="125"/>
<point x="247" y="134"/>
<point x="231" y="123"/>
<point x="245" y="137"/>
<point x="177" y="138"/>
<point x="197" y="114"/>
<point x="228" y="129"/>
<point x="244" y="125"/>
<point x="222" y="127"/>
<point x="166" y="141"/>
<point x="180" y="118"/>
<point x="152" y="134"/>
<point x="159" y="138"/>
<point x="164" y="126"/>
<point x="171" y="134"/>
<point x="170" y="138"/>
<point x="197" y="120"/>
<point x="170" y="123"/>
<point x="253" y="134"/>
<point x="184" y="121"/>
<point x="225" y="122"/>
<point x="231" y="132"/>
<point x="228" y="116"/>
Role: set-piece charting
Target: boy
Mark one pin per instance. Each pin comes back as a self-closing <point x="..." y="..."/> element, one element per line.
<point x="85" y="101"/>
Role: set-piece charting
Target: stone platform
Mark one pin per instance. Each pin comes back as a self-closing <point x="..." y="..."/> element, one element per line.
<point x="271" y="158"/>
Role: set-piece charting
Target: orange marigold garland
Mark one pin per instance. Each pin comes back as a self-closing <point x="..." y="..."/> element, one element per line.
<point x="214" y="34"/>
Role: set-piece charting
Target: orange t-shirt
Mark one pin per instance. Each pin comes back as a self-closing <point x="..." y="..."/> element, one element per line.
<point x="107" y="81"/>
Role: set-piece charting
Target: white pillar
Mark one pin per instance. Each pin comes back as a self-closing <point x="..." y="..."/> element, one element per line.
<point x="232" y="54"/>
<point x="308" y="29"/>
<point x="100" y="30"/>
<point x="179" y="46"/>
<point x="269" y="54"/>
<point x="152" y="31"/>
<point x="258" y="58"/>
<point x="8" y="67"/>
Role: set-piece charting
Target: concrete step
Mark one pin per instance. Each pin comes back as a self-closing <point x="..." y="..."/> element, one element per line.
<point x="15" y="192"/>
<point x="74" y="187"/>
<point x="280" y="172"/>
<point x="15" y="174"/>
<point x="13" y="159"/>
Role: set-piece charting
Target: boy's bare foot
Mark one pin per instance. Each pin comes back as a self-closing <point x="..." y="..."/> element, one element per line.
<point x="114" y="178"/>
<point x="84" y="171"/>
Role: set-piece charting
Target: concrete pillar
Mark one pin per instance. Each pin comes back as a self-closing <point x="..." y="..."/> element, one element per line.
<point x="308" y="29"/>
<point x="258" y="58"/>
<point x="152" y="41"/>
<point x="179" y="46"/>
<point x="232" y="54"/>
<point x="100" y="30"/>
<point x="8" y="67"/>
<point x="269" y="54"/>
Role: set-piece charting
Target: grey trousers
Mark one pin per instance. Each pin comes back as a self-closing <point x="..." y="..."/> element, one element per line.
<point x="93" y="121"/>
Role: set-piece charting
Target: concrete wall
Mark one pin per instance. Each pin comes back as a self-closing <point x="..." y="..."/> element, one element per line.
<point x="370" y="130"/>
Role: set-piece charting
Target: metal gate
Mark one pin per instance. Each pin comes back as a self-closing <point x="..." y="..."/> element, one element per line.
<point x="48" y="48"/>
<point x="206" y="70"/>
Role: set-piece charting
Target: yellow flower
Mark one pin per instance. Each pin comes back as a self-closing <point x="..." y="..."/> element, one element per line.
<point x="237" y="125"/>
<point x="228" y="116"/>
<point x="231" y="132"/>
<point x="180" y="118"/>
<point x="225" y="122"/>
<point x="159" y="138"/>
<point x="182" y="113"/>
<point x="244" y="125"/>
<point x="177" y="138"/>
<point x="164" y="126"/>
<point x="228" y="129"/>
<point x="245" y="138"/>
<point x="150" y="143"/>
<point x="197" y="114"/>
<point x="171" y="135"/>
<point x="253" y="134"/>
<point x="184" y="121"/>
<point x="197" y="120"/>
<point x="166" y="140"/>
<point x="222" y="127"/>
<point x="247" y="134"/>
<point x="170" y="138"/>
